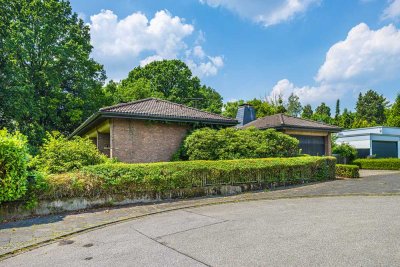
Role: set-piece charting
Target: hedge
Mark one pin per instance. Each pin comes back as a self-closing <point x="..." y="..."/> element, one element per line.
<point x="13" y="165"/>
<point x="378" y="164"/>
<point x="348" y="171"/>
<point x="128" y="180"/>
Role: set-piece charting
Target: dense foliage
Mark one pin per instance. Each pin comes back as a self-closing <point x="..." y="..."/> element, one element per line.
<point x="394" y="113"/>
<point x="167" y="79"/>
<point x="130" y="180"/>
<point x="378" y="164"/>
<point x="13" y="165"/>
<point x="346" y="151"/>
<point x="347" y="171"/>
<point x="59" y="154"/>
<point x="48" y="80"/>
<point x="231" y="143"/>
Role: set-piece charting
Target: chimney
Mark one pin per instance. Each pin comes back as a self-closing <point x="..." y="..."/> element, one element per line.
<point x="246" y="113"/>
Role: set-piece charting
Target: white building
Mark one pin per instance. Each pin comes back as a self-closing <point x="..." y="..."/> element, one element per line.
<point x="384" y="142"/>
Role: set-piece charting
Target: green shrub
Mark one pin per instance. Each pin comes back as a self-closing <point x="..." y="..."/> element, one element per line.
<point x="59" y="154"/>
<point x="348" y="171"/>
<point x="128" y="180"/>
<point x="231" y="143"/>
<point x="346" y="151"/>
<point x="13" y="165"/>
<point x="378" y="164"/>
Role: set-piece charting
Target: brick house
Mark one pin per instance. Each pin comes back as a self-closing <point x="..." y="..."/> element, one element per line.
<point x="147" y="130"/>
<point x="314" y="137"/>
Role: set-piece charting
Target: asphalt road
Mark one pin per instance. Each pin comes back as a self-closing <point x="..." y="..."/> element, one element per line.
<point x="326" y="231"/>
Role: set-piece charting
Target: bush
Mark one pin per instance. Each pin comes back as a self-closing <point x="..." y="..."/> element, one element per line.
<point x="231" y="143"/>
<point x="348" y="171"/>
<point x="378" y="164"/>
<point x="346" y="151"/>
<point x="59" y="154"/>
<point x="13" y="165"/>
<point x="128" y="180"/>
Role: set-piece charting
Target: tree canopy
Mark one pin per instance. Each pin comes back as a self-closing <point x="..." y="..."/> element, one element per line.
<point x="370" y="108"/>
<point x="48" y="79"/>
<point x="171" y="80"/>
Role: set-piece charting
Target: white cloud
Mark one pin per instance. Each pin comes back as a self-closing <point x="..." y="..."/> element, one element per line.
<point x="392" y="11"/>
<point x="365" y="58"/>
<point x="268" y="13"/>
<point x="120" y="44"/>
<point x="204" y="68"/>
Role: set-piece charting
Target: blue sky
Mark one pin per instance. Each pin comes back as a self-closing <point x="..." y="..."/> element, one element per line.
<point x="320" y="50"/>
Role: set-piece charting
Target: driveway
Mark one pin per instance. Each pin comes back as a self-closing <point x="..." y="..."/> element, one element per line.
<point x="380" y="188"/>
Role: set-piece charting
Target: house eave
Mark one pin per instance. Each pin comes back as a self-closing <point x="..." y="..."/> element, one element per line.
<point x="101" y="115"/>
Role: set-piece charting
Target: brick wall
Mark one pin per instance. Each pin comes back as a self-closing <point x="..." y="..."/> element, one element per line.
<point x="141" y="141"/>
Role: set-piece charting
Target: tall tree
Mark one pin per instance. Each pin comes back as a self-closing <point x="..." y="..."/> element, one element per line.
<point x="337" y="111"/>
<point x="307" y="112"/>
<point x="171" y="80"/>
<point x="322" y="113"/>
<point x="370" y="108"/>
<point x="394" y="113"/>
<point x="294" y="107"/>
<point x="51" y="81"/>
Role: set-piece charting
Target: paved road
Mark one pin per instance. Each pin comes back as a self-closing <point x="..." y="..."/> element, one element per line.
<point x="329" y="231"/>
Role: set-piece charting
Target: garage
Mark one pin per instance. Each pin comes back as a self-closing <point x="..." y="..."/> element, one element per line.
<point x="385" y="149"/>
<point x="311" y="145"/>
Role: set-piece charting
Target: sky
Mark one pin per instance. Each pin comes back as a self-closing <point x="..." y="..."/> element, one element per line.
<point x="320" y="50"/>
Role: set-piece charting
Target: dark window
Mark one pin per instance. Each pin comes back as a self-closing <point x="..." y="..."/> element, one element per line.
<point x="312" y="145"/>
<point x="384" y="149"/>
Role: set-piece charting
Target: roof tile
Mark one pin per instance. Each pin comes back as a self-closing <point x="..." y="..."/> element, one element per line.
<point x="162" y="108"/>
<point x="282" y="120"/>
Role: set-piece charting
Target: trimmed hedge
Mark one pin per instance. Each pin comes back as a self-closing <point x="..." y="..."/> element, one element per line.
<point x="348" y="171"/>
<point x="129" y="180"/>
<point x="378" y="164"/>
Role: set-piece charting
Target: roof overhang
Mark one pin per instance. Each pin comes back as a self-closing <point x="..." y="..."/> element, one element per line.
<point x="100" y="116"/>
<point x="302" y="128"/>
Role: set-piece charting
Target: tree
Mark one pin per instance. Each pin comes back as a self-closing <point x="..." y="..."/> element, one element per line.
<point x="230" y="108"/>
<point x="307" y="112"/>
<point x="263" y="108"/>
<point x="337" y="111"/>
<point x="48" y="79"/>
<point x="370" y="108"/>
<point x="322" y="113"/>
<point x="171" y="80"/>
<point x="346" y="120"/>
<point x="394" y="113"/>
<point x="294" y="107"/>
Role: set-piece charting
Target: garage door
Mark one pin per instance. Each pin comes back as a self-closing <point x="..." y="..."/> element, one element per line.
<point x="384" y="149"/>
<point x="312" y="145"/>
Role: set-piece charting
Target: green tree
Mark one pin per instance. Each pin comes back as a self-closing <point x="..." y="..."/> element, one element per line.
<point x="307" y="112"/>
<point x="294" y="107"/>
<point x="263" y="108"/>
<point x="322" y="113"/>
<point x="48" y="80"/>
<point x="171" y="80"/>
<point x="370" y="108"/>
<point x="337" y="111"/>
<point x="394" y="113"/>
<point x="346" y="120"/>
<point x="230" y="108"/>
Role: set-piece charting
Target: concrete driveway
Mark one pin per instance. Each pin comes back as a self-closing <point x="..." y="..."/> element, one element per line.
<point x="342" y="222"/>
<point x="333" y="231"/>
